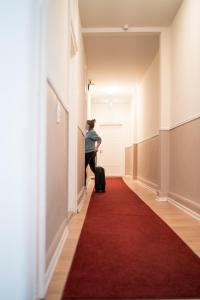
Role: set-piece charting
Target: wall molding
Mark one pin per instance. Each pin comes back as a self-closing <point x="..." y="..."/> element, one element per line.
<point x="128" y="176"/>
<point x="114" y="175"/>
<point x="193" y="118"/>
<point x="147" y="138"/>
<point x="184" y="202"/>
<point x="110" y="124"/>
<point x="51" y="250"/>
<point x="81" y="198"/>
<point x="161" y="199"/>
<point x="120" y="30"/>
<point x="187" y="120"/>
<point x="59" y="98"/>
<point x="81" y="130"/>
<point x="84" y="195"/>
<point x="74" y="43"/>
<point x="187" y="210"/>
<point x="151" y="186"/>
<point x="54" y="259"/>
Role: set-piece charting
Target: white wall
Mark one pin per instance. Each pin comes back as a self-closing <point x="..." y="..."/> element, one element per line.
<point x="185" y="38"/>
<point x="19" y="128"/>
<point x="66" y="74"/>
<point x="58" y="47"/>
<point x="77" y="101"/>
<point x="82" y="79"/>
<point x="148" y="103"/>
<point x="23" y="102"/>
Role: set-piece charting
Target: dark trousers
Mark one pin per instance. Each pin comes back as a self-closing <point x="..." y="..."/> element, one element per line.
<point x="90" y="160"/>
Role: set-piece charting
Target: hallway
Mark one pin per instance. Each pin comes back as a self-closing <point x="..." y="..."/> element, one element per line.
<point x="134" y="67"/>
<point x="184" y="225"/>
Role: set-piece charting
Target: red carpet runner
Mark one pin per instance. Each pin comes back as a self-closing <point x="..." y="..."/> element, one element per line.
<point x="127" y="252"/>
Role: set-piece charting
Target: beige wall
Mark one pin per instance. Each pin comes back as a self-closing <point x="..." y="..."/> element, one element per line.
<point x="185" y="66"/>
<point x="147" y="162"/>
<point x="58" y="47"/>
<point x="144" y="161"/>
<point x="185" y="164"/>
<point x="129" y="161"/>
<point x="148" y="103"/>
<point x="68" y="86"/>
<point x="81" y="161"/>
<point x="56" y="190"/>
<point x="57" y="132"/>
<point x="184" y="169"/>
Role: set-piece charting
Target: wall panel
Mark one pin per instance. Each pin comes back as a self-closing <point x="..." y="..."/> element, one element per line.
<point x="56" y="186"/>
<point x="185" y="164"/>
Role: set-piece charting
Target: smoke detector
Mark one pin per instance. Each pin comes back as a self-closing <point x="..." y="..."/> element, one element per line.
<point x="125" y="27"/>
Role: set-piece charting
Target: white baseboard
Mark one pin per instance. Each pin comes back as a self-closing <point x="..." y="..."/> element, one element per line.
<point x="128" y="176"/>
<point x="81" y="198"/>
<point x="189" y="211"/>
<point x="53" y="262"/>
<point x="146" y="186"/>
<point x="80" y="195"/>
<point x="114" y="175"/>
<point x="162" y="199"/>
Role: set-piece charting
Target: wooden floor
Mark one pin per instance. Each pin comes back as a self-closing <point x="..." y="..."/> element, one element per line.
<point x="183" y="224"/>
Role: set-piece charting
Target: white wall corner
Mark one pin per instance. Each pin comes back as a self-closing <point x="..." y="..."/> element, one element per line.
<point x="165" y="77"/>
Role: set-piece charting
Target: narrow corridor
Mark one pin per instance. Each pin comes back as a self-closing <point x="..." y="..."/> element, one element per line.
<point x="182" y="224"/>
<point x="134" y="67"/>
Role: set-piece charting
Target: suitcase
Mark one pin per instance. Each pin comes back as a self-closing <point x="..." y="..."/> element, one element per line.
<point x="100" y="182"/>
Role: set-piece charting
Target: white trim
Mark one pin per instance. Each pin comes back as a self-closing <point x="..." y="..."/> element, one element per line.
<point x="189" y="211"/>
<point x="72" y="138"/>
<point x="185" y="121"/>
<point x="52" y="265"/>
<point x="74" y="44"/>
<point x="41" y="205"/>
<point x="161" y="199"/>
<point x="128" y="176"/>
<point x="192" y="118"/>
<point x="147" y="30"/>
<point x="129" y="146"/>
<point x="82" y="131"/>
<point x="164" y="129"/>
<point x="151" y="189"/>
<point x="114" y="175"/>
<point x="141" y="140"/>
<point x="81" y="198"/>
<point x="110" y="124"/>
<point x="54" y="90"/>
<point x="90" y="180"/>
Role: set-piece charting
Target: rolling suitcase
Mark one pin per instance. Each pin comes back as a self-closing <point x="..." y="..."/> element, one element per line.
<point x="100" y="182"/>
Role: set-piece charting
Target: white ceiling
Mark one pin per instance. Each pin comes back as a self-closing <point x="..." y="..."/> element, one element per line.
<point x="116" y="13"/>
<point x="121" y="59"/>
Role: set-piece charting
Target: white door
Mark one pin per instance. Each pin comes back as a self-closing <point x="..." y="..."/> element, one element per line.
<point x="113" y="125"/>
<point x="111" y="152"/>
